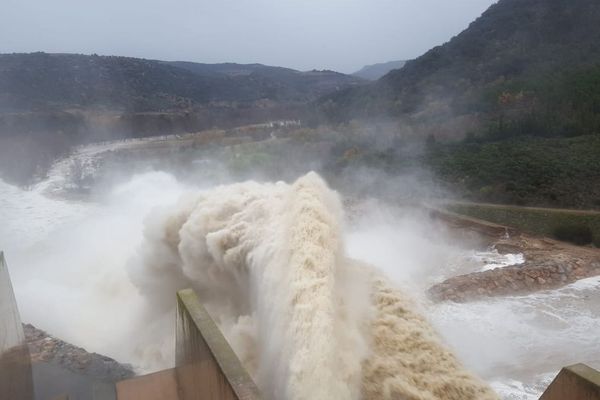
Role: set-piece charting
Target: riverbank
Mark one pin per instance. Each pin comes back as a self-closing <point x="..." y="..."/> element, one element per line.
<point x="548" y="263"/>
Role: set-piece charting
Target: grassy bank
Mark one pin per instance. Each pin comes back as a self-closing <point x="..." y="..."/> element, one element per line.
<point x="526" y="171"/>
<point x="570" y="225"/>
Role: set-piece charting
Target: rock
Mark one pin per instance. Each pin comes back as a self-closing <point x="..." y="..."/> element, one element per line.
<point x="548" y="264"/>
<point x="541" y="281"/>
<point x="507" y="248"/>
<point x="46" y="348"/>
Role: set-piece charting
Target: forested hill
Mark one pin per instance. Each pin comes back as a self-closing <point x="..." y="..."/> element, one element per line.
<point x="509" y="109"/>
<point x="514" y="41"/>
<point x="51" y="82"/>
<point x="50" y="102"/>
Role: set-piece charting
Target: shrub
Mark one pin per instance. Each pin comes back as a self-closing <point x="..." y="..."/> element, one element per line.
<point x="579" y="234"/>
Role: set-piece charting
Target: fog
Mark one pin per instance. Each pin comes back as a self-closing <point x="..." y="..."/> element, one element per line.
<point x="106" y="275"/>
<point x="98" y="271"/>
<point x="312" y="246"/>
<point x="334" y="34"/>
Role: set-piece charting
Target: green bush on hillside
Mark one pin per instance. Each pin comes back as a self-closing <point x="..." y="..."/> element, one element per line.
<point x="579" y="234"/>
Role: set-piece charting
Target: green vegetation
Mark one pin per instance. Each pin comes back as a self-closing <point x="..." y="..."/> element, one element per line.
<point x="521" y="169"/>
<point x="508" y="111"/>
<point x="59" y="82"/>
<point x="241" y="162"/>
<point x="549" y="105"/>
<point x="580" y="234"/>
<point x="541" y="146"/>
<point x="513" y="42"/>
<point x="562" y="172"/>
<point x="579" y="227"/>
<point x="510" y="107"/>
<point x="51" y="102"/>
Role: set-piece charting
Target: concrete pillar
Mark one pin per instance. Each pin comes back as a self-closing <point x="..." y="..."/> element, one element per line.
<point x="15" y="364"/>
<point x="576" y="382"/>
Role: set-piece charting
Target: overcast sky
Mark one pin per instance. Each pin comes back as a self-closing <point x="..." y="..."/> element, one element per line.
<point x="342" y="35"/>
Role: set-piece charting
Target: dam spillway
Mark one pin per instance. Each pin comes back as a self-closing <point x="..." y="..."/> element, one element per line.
<point x="225" y="237"/>
<point x="15" y="365"/>
<point x="207" y="368"/>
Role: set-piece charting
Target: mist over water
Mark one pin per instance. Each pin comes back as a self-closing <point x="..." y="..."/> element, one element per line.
<point x="69" y="269"/>
<point x="268" y="261"/>
<point x="77" y="273"/>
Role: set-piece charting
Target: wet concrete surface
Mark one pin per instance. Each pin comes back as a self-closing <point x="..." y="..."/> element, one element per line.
<point x="51" y="381"/>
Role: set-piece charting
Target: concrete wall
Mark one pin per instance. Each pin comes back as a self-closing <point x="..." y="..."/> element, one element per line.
<point x="15" y="365"/>
<point x="576" y="382"/>
<point x="207" y="367"/>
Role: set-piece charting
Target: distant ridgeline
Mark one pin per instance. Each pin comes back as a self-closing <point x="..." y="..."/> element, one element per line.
<point x="523" y="66"/>
<point x="57" y="82"/>
<point x="509" y="108"/>
<point x="376" y="71"/>
<point x="49" y="102"/>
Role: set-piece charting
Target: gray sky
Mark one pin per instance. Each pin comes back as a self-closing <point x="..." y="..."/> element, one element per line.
<point x="342" y="35"/>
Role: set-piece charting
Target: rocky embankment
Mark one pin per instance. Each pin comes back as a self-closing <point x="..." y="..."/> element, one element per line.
<point x="48" y="349"/>
<point x="549" y="264"/>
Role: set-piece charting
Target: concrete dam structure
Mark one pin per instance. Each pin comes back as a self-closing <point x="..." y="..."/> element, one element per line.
<point x="15" y="365"/>
<point x="206" y="366"/>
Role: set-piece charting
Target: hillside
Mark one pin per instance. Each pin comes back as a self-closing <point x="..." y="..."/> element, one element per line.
<point x="450" y="85"/>
<point x="48" y="82"/>
<point x="229" y="69"/>
<point x="50" y="102"/>
<point x="375" y="71"/>
<point x="509" y="109"/>
<point x="284" y="84"/>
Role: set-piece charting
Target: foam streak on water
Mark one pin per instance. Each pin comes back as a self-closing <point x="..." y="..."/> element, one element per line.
<point x="28" y="216"/>
<point x="520" y="343"/>
<point x="68" y="262"/>
<point x="517" y="343"/>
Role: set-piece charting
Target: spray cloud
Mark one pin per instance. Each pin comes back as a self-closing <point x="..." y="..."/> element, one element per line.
<point x="308" y="322"/>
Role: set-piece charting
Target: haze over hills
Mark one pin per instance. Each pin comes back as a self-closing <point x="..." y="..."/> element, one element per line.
<point x="522" y="80"/>
<point x="330" y="224"/>
<point x="513" y="40"/>
<point x="43" y="82"/>
<point x="375" y="71"/>
<point x="509" y="108"/>
<point x="50" y="102"/>
<point x="285" y="84"/>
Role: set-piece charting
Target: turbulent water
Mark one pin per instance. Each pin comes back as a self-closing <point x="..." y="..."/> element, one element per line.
<point x="268" y="262"/>
<point x="291" y="284"/>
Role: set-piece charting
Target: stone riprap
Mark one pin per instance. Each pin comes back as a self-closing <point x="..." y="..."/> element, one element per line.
<point x="549" y="264"/>
<point x="46" y="348"/>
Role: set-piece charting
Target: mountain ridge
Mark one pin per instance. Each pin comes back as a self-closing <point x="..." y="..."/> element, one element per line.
<point x="373" y="72"/>
<point x="43" y="81"/>
<point x="512" y="40"/>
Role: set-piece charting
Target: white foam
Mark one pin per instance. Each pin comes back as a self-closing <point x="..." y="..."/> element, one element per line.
<point x="68" y="262"/>
<point x="71" y="257"/>
<point x="519" y="338"/>
<point x="27" y="216"/>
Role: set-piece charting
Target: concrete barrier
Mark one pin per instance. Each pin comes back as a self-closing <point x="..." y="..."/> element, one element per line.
<point x="16" y="380"/>
<point x="576" y="382"/>
<point x="207" y="367"/>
